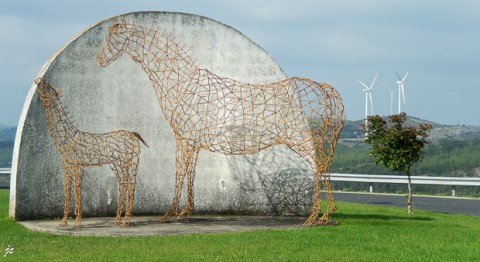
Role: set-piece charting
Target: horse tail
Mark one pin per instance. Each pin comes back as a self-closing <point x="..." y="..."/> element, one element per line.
<point x="137" y="135"/>
<point x="322" y="121"/>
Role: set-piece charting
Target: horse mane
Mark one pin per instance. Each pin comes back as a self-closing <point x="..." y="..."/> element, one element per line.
<point x="42" y="81"/>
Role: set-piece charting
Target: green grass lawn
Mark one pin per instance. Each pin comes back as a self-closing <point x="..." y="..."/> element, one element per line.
<point x="365" y="233"/>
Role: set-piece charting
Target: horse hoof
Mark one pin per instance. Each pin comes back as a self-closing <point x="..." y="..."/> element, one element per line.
<point x="164" y="219"/>
<point x="311" y="221"/>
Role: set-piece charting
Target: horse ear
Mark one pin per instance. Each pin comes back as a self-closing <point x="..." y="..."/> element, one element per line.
<point x="114" y="28"/>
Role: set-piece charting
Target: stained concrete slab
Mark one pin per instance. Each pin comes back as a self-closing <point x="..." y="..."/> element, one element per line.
<point x="150" y="225"/>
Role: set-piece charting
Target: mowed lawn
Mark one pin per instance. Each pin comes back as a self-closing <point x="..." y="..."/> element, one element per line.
<point x="365" y="233"/>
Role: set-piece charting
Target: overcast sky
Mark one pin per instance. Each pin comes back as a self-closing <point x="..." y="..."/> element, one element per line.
<point x="338" y="42"/>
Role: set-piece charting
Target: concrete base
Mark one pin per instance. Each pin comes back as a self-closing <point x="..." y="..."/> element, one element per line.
<point x="150" y="226"/>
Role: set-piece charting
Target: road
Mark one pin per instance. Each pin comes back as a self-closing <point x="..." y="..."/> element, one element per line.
<point x="453" y="205"/>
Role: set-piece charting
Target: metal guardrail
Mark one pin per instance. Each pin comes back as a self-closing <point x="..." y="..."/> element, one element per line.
<point x="420" y="180"/>
<point x="423" y="180"/>
<point x="4" y="172"/>
<point x="362" y="178"/>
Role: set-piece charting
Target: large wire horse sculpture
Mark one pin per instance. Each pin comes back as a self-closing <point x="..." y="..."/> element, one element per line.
<point x="119" y="149"/>
<point x="210" y="112"/>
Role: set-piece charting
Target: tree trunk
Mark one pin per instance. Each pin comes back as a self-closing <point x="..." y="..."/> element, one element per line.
<point x="409" y="195"/>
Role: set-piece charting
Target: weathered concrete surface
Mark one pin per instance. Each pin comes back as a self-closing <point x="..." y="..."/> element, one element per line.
<point x="121" y="97"/>
<point x="150" y="225"/>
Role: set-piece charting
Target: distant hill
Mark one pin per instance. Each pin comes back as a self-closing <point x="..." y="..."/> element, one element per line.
<point x="354" y="129"/>
<point x="454" y="151"/>
<point x="7" y="133"/>
<point x="7" y="136"/>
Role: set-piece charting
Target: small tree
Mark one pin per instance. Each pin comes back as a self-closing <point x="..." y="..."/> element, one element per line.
<point x="395" y="146"/>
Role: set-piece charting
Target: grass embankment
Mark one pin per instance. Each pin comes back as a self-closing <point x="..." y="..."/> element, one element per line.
<point x="365" y="233"/>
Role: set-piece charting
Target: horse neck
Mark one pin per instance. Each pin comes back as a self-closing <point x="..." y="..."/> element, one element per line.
<point x="61" y="128"/>
<point x="167" y="65"/>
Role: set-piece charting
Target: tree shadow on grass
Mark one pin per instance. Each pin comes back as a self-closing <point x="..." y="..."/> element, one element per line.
<point x="379" y="217"/>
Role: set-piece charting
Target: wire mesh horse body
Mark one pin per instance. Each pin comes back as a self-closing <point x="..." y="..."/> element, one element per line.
<point x="120" y="150"/>
<point x="206" y="111"/>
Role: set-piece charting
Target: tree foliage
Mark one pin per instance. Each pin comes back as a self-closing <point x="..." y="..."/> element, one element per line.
<point x="393" y="145"/>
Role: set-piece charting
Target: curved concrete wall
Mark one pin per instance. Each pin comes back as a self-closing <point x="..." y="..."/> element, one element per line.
<point x="121" y="97"/>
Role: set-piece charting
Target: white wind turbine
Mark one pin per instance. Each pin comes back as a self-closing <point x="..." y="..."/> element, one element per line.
<point x="401" y="92"/>
<point x="368" y="96"/>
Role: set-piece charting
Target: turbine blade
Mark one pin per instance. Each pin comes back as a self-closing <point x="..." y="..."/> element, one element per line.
<point x="363" y="84"/>
<point x="403" y="94"/>
<point x="371" y="102"/>
<point x="403" y="79"/>
<point x="374" y="79"/>
<point x="399" y="78"/>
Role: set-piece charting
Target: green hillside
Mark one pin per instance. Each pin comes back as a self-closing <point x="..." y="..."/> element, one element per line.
<point x="446" y="157"/>
<point x="453" y="151"/>
<point x="6" y="151"/>
<point x="7" y="134"/>
<point x="354" y="129"/>
<point x="442" y="158"/>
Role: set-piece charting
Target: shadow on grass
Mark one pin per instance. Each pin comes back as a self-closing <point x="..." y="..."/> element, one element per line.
<point x="379" y="217"/>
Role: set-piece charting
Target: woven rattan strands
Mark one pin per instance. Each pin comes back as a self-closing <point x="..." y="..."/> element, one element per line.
<point x="210" y="112"/>
<point x="120" y="150"/>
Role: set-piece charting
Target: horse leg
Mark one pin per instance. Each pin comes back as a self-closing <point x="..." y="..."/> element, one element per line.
<point x="322" y="176"/>
<point x="121" y="202"/>
<point x="323" y="158"/>
<point x="331" y="199"/>
<point x="334" y="134"/>
<point x="67" y="178"/>
<point x="131" y="182"/>
<point x="330" y="136"/>
<point x="192" y="162"/>
<point x="121" y="199"/>
<point x="78" y="175"/>
<point x="117" y="169"/>
<point x="307" y="152"/>
<point x="181" y="162"/>
<point x="333" y="127"/>
<point x="129" y="201"/>
<point x="317" y="201"/>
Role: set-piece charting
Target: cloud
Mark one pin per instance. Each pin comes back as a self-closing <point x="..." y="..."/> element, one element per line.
<point x="336" y="41"/>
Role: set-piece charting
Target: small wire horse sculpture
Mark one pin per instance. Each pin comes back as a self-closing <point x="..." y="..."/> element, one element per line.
<point x="210" y="112"/>
<point x="119" y="149"/>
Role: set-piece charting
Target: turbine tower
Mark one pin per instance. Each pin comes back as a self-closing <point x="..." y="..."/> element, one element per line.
<point x="368" y="96"/>
<point x="401" y="92"/>
<point x="391" y="100"/>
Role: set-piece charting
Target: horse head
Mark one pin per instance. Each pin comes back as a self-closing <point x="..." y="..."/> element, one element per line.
<point x="115" y="44"/>
<point x="45" y="90"/>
